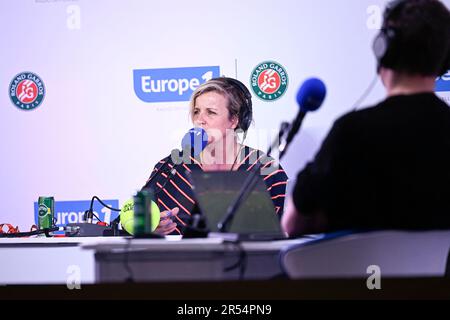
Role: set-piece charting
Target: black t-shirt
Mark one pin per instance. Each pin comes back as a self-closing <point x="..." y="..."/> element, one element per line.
<point x="387" y="167"/>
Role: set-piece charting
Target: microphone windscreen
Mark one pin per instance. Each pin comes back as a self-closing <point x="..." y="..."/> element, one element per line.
<point x="311" y="94"/>
<point x="196" y="139"/>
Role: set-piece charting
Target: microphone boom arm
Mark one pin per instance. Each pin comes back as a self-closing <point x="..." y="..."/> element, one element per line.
<point x="249" y="184"/>
<point x="292" y="132"/>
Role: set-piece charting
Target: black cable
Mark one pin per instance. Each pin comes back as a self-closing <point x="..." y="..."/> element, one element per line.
<point x="45" y="231"/>
<point x="365" y="94"/>
<point x="240" y="150"/>
<point x="91" y="213"/>
<point x="169" y="174"/>
<point x="243" y="264"/>
<point x="96" y="217"/>
<point x="126" y="262"/>
<point x="162" y="169"/>
<point x="242" y="261"/>
<point x="104" y="204"/>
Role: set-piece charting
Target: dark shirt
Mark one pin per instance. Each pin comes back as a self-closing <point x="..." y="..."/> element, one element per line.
<point x="173" y="189"/>
<point x="385" y="167"/>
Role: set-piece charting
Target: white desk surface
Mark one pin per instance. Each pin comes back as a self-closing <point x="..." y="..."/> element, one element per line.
<point x="193" y="244"/>
<point x="169" y="242"/>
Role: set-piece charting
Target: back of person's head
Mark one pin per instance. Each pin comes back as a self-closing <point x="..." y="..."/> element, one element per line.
<point x="415" y="38"/>
<point x="239" y="98"/>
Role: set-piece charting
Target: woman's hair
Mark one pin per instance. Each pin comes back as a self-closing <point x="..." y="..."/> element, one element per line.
<point x="238" y="96"/>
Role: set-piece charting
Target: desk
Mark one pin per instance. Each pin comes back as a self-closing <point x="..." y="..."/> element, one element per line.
<point x="45" y="260"/>
<point x="211" y="259"/>
<point x="114" y="259"/>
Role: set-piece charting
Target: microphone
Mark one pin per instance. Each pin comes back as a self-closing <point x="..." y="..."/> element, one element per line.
<point x="309" y="98"/>
<point x="195" y="141"/>
<point x="192" y="144"/>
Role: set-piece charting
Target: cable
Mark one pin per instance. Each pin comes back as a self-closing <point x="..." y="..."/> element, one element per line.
<point x="126" y="262"/>
<point x="242" y="261"/>
<point x="104" y="204"/>
<point x="96" y="217"/>
<point x="46" y="231"/>
<point x="162" y="168"/>
<point x="242" y="147"/>
<point x="169" y="173"/>
<point x="365" y="94"/>
<point x="88" y="214"/>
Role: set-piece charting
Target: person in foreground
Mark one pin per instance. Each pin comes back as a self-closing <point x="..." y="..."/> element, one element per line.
<point x="222" y="107"/>
<point x="387" y="166"/>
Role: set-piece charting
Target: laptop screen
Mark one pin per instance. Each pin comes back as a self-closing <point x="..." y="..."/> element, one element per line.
<point x="216" y="190"/>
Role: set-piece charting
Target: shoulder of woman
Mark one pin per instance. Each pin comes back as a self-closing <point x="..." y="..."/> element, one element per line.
<point x="257" y="155"/>
<point x="270" y="166"/>
<point x="163" y="160"/>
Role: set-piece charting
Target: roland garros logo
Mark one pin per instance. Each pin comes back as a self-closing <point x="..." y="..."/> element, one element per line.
<point x="269" y="80"/>
<point x="26" y="91"/>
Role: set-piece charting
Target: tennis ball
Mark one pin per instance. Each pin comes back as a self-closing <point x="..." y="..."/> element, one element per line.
<point x="127" y="216"/>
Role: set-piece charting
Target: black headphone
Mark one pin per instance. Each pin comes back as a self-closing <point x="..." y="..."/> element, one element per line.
<point x="245" y="113"/>
<point x="386" y="42"/>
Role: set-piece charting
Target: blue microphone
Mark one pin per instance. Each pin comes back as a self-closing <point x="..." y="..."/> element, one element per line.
<point x="195" y="141"/>
<point x="311" y="94"/>
<point x="310" y="97"/>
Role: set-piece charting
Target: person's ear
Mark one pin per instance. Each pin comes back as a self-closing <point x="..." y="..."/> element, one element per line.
<point x="234" y="122"/>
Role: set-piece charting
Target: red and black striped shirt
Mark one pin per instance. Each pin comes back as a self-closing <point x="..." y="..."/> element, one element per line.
<point x="172" y="188"/>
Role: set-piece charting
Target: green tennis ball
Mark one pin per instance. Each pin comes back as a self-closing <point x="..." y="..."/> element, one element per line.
<point x="127" y="216"/>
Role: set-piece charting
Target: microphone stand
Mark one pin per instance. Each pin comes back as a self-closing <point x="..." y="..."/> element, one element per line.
<point x="292" y="132"/>
<point x="249" y="183"/>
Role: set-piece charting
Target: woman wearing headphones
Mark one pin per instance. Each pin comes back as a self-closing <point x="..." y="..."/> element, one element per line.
<point x="222" y="107"/>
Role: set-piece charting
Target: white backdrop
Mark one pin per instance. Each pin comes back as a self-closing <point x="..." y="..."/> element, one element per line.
<point x="92" y="135"/>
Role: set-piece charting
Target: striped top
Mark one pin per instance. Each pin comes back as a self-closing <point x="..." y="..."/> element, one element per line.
<point x="173" y="189"/>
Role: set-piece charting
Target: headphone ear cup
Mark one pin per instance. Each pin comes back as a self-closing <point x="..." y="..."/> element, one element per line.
<point x="384" y="42"/>
<point x="379" y="46"/>
<point x="383" y="48"/>
<point x="245" y="116"/>
<point x="245" y="121"/>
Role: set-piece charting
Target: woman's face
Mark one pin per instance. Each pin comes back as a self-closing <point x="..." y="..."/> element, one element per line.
<point x="211" y="113"/>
